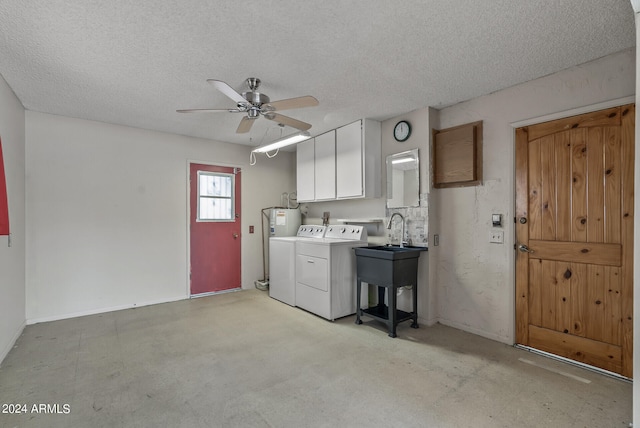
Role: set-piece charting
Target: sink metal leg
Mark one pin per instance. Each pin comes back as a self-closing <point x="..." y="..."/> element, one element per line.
<point x="358" y="294"/>
<point x="381" y="297"/>
<point x="414" y="296"/>
<point x="391" y="297"/>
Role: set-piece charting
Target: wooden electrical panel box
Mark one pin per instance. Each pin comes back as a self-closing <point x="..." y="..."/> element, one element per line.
<point x="457" y="156"/>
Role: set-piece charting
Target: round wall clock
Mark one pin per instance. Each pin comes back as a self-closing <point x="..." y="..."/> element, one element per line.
<point x="402" y="131"/>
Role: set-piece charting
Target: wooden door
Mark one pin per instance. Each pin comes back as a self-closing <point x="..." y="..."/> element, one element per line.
<point x="214" y="228"/>
<point x="574" y="232"/>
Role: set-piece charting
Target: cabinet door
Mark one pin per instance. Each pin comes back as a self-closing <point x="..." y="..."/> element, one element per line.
<point x="325" y="173"/>
<point x="349" y="165"/>
<point x="305" y="171"/>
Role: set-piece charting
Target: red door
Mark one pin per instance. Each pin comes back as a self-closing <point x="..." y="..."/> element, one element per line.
<point x="4" y="207"/>
<point x="214" y="228"/>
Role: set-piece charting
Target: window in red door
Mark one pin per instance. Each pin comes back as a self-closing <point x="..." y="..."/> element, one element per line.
<point x="216" y="196"/>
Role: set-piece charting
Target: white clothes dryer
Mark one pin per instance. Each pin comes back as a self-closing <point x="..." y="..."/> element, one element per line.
<point x="325" y="272"/>
<point x="282" y="262"/>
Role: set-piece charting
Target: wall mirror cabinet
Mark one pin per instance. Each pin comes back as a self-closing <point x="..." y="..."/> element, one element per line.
<point x="403" y="180"/>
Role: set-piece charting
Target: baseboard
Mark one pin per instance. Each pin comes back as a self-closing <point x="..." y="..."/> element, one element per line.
<point x="103" y="310"/>
<point x="12" y="342"/>
<point x="428" y="322"/>
<point x="477" y="332"/>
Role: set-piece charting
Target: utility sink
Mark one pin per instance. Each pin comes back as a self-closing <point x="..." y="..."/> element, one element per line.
<point x="388" y="267"/>
<point x="390" y="252"/>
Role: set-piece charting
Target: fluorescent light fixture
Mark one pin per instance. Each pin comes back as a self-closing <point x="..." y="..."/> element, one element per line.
<point x="402" y="160"/>
<point x="283" y="142"/>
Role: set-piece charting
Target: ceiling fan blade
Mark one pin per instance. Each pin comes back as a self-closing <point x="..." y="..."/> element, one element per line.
<point x="289" y="121"/>
<point x="245" y="125"/>
<point x="209" y="110"/>
<point x="228" y="91"/>
<point x="299" y="102"/>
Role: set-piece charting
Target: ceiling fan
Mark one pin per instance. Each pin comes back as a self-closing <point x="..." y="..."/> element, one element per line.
<point x="255" y="104"/>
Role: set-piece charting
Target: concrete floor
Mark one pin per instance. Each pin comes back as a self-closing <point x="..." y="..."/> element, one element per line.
<point x="244" y="360"/>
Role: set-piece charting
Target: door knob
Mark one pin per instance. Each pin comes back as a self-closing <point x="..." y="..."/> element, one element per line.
<point x="523" y="248"/>
<point x="235" y="236"/>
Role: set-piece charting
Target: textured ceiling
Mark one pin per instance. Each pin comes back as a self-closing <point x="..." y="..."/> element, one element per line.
<point x="135" y="62"/>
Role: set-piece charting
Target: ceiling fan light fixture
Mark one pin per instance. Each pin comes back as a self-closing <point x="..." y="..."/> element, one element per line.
<point x="256" y="104"/>
<point x="283" y="142"/>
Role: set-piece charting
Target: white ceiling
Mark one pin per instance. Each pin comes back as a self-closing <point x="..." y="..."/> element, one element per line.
<point x="135" y="62"/>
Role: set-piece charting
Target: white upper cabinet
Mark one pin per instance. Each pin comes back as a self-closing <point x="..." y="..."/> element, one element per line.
<point x="325" y="167"/>
<point x="305" y="171"/>
<point x="358" y="147"/>
<point x="340" y="164"/>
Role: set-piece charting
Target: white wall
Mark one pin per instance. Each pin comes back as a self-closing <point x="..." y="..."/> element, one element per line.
<point x="475" y="279"/>
<point x="107" y="213"/>
<point x="12" y="259"/>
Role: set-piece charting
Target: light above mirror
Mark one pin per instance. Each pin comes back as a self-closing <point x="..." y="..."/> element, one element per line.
<point x="403" y="160"/>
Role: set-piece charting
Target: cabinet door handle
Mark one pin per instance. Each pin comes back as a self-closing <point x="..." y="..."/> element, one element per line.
<point x="310" y="261"/>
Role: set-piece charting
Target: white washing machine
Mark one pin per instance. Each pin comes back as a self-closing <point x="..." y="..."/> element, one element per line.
<point x="282" y="262"/>
<point x="325" y="272"/>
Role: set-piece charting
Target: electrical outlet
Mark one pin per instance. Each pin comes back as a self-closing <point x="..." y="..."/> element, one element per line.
<point x="497" y="237"/>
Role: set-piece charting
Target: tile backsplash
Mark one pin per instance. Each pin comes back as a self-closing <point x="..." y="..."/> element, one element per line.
<point x="416" y="225"/>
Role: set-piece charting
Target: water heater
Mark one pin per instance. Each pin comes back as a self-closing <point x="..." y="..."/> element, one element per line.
<point x="284" y="221"/>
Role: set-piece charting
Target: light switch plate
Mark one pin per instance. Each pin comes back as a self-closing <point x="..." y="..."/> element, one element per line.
<point x="497" y="237"/>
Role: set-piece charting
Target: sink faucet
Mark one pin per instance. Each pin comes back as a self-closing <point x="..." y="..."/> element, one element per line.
<point x="389" y="227"/>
